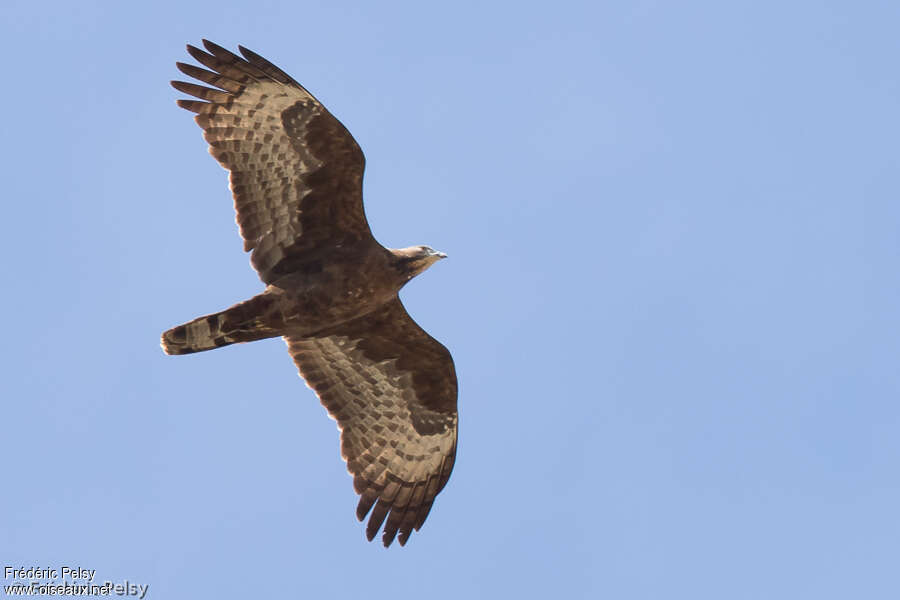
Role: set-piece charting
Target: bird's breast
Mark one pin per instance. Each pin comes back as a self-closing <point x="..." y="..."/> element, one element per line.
<point x="314" y="301"/>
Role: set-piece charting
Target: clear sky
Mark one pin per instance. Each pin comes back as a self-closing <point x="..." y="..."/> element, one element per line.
<point x="672" y="297"/>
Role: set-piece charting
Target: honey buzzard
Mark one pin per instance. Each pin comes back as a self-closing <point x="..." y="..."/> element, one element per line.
<point x="331" y="289"/>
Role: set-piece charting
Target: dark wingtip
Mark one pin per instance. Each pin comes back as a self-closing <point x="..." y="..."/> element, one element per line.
<point x="364" y="506"/>
<point x="388" y="538"/>
<point x="377" y="517"/>
<point x="194" y="106"/>
<point x="214" y="48"/>
<point x="196" y="52"/>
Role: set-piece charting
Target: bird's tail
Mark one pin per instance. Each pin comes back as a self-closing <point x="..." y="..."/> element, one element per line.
<point x="241" y="323"/>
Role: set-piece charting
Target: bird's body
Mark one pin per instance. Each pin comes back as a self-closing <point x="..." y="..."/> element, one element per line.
<point x="337" y="286"/>
<point x="331" y="288"/>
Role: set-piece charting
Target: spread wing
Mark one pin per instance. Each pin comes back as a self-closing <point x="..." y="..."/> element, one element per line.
<point x="296" y="172"/>
<point x="392" y="389"/>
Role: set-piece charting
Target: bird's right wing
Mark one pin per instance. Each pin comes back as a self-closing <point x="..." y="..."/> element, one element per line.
<point x="392" y="389"/>
<point x="296" y="172"/>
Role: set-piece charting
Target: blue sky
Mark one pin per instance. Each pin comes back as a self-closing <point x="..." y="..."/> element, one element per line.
<point x="672" y="298"/>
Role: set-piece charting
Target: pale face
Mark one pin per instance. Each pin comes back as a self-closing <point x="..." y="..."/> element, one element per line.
<point x="431" y="253"/>
<point x="418" y="258"/>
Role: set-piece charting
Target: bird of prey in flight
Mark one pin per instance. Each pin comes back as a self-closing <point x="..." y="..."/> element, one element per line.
<point x="331" y="289"/>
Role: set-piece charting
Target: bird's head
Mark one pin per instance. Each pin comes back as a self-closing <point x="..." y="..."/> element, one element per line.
<point x="415" y="259"/>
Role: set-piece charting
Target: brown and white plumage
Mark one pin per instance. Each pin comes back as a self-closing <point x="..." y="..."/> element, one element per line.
<point x="296" y="177"/>
<point x="392" y="389"/>
<point x="296" y="172"/>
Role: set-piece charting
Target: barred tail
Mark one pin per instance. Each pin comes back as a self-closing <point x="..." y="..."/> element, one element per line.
<point x="241" y="323"/>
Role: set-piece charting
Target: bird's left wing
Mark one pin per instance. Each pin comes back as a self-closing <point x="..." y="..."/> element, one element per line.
<point x="296" y="172"/>
<point x="391" y="388"/>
